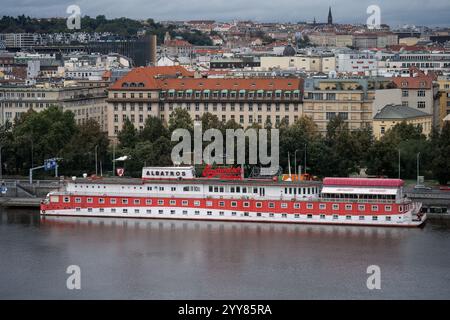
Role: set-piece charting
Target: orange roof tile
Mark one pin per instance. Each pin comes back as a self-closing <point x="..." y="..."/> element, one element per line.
<point x="148" y="75"/>
<point x="232" y="84"/>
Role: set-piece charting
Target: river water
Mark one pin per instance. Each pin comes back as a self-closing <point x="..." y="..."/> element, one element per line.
<point x="161" y="259"/>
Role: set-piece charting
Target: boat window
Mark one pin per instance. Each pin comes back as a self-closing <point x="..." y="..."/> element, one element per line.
<point x="54" y="199"/>
<point x="184" y="203"/>
<point x="148" y="202"/>
<point x="335" y="206"/>
<point x="112" y="201"/>
<point x="124" y="201"/>
<point x="244" y="190"/>
<point x="374" y="208"/>
<point x="137" y="201"/>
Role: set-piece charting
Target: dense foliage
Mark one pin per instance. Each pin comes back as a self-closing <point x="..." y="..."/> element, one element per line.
<point x="340" y="152"/>
<point x="119" y="26"/>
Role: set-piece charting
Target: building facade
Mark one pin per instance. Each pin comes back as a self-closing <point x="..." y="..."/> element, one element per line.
<point x="351" y="99"/>
<point x="444" y="98"/>
<point x="419" y="92"/>
<point x="86" y="102"/>
<point x="391" y="115"/>
<point x="155" y="91"/>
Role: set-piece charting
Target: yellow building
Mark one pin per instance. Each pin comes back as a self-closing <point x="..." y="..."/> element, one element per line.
<point x="444" y="99"/>
<point x="350" y="99"/>
<point x="391" y="115"/>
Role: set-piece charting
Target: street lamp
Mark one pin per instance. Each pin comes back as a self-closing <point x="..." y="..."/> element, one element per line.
<point x="96" y="170"/>
<point x="418" y="160"/>
<point x="295" y="159"/>
<point x="305" y="158"/>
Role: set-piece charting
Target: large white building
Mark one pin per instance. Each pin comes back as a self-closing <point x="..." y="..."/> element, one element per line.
<point x="356" y="62"/>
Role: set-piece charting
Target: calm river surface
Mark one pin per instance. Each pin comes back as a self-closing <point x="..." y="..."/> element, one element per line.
<point x="160" y="259"/>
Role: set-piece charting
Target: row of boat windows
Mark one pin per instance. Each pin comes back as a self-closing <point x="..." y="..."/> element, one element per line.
<point x="212" y="189"/>
<point x="246" y="204"/>
<point x="358" y="196"/>
<point x="234" y="214"/>
<point x="307" y="190"/>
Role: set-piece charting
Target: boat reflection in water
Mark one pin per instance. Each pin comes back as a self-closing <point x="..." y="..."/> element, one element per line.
<point x="298" y="230"/>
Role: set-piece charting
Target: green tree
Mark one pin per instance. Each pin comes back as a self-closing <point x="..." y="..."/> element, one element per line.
<point x="441" y="151"/>
<point x="153" y="129"/>
<point x="41" y="135"/>
<point x="79" y="154"/>
<point x="180" y="118"/>
<point x="128" y="136"/>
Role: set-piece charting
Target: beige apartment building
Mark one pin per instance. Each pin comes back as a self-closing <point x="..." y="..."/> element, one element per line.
<point x="419" y="91"/>
<point x="444" y="99"/>
<point x="331" y="39"/>
<point x="351" y="99"/>
<point x="86" y="102"/>
<point x="307" y="63"/>
<point x="158" y="91"/>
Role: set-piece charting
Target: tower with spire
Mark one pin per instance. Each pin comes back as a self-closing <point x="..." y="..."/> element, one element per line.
<point x="330" y="16"/>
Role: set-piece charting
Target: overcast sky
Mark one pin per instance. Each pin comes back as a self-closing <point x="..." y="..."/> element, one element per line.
<point x="393" y="12"/>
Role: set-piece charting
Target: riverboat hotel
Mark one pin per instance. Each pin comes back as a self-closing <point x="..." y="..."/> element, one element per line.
<point x="175" y="193"/>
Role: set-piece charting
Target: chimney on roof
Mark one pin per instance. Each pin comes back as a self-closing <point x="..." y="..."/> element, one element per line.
<point x="153" y="47"/>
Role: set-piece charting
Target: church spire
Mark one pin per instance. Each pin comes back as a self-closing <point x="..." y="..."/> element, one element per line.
<point x="330" y="16"/>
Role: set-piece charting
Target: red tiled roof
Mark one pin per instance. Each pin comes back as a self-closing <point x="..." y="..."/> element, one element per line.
<point x="363" y="182"/>
<point x="148" y="75"/>
<point x="419" y="82"/>
<point x="232" y="84"/>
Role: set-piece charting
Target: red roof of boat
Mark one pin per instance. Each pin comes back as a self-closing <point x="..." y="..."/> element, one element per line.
<point x="363" y="182"/>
